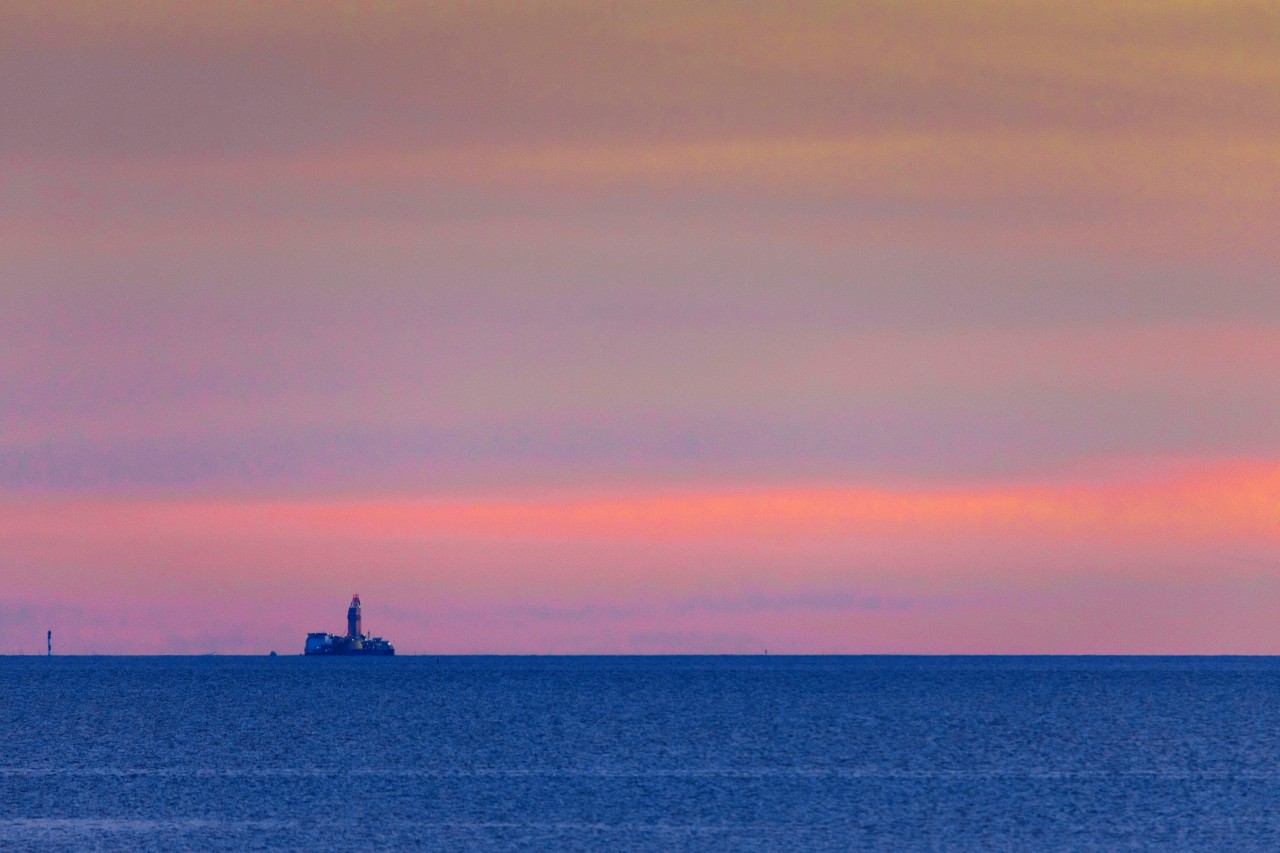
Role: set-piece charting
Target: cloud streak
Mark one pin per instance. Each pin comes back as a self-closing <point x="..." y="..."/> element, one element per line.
<point x="1111" y="127"/>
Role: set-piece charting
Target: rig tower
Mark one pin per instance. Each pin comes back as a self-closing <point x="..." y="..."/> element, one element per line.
<point x="354" y="626"/>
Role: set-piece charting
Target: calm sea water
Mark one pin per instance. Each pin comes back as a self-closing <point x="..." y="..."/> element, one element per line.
<point x="657" y="753"/>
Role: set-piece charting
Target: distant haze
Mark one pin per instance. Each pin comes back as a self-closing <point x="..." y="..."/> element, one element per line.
<point x="664" y="327"/>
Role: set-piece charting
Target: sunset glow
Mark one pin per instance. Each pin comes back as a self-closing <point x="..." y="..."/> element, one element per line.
<point x="569" y="327"/>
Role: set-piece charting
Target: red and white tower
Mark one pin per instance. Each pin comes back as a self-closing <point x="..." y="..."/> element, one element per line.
<point x="355" y="630"/>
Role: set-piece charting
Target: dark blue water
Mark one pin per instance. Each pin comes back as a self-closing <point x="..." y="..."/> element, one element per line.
<point x="656" y="753"/>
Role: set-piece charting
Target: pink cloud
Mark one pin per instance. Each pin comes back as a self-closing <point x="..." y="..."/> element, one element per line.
<point x="814" y="568"/>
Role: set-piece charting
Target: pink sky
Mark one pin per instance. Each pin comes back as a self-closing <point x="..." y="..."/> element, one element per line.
<point x="569" y="327"/>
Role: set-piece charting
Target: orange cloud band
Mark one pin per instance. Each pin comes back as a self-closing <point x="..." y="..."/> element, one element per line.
<point x="1239" y="500"/>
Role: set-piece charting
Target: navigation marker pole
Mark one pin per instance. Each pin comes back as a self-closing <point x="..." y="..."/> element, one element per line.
<point x="49" y="639"/>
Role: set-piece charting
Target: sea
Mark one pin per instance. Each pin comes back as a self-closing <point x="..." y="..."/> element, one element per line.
<point x="639" y="753"/>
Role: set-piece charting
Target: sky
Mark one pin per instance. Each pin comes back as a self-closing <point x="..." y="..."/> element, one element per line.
<point x="660" y="327"/>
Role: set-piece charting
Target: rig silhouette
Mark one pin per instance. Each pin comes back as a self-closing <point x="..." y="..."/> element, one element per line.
<point x="354" y="642"/>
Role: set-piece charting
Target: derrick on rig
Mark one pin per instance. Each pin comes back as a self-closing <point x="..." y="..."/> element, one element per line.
<point x="354" y="642"/>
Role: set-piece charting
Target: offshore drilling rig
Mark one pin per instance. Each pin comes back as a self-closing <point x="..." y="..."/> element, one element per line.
<point x="354" y="642"/>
